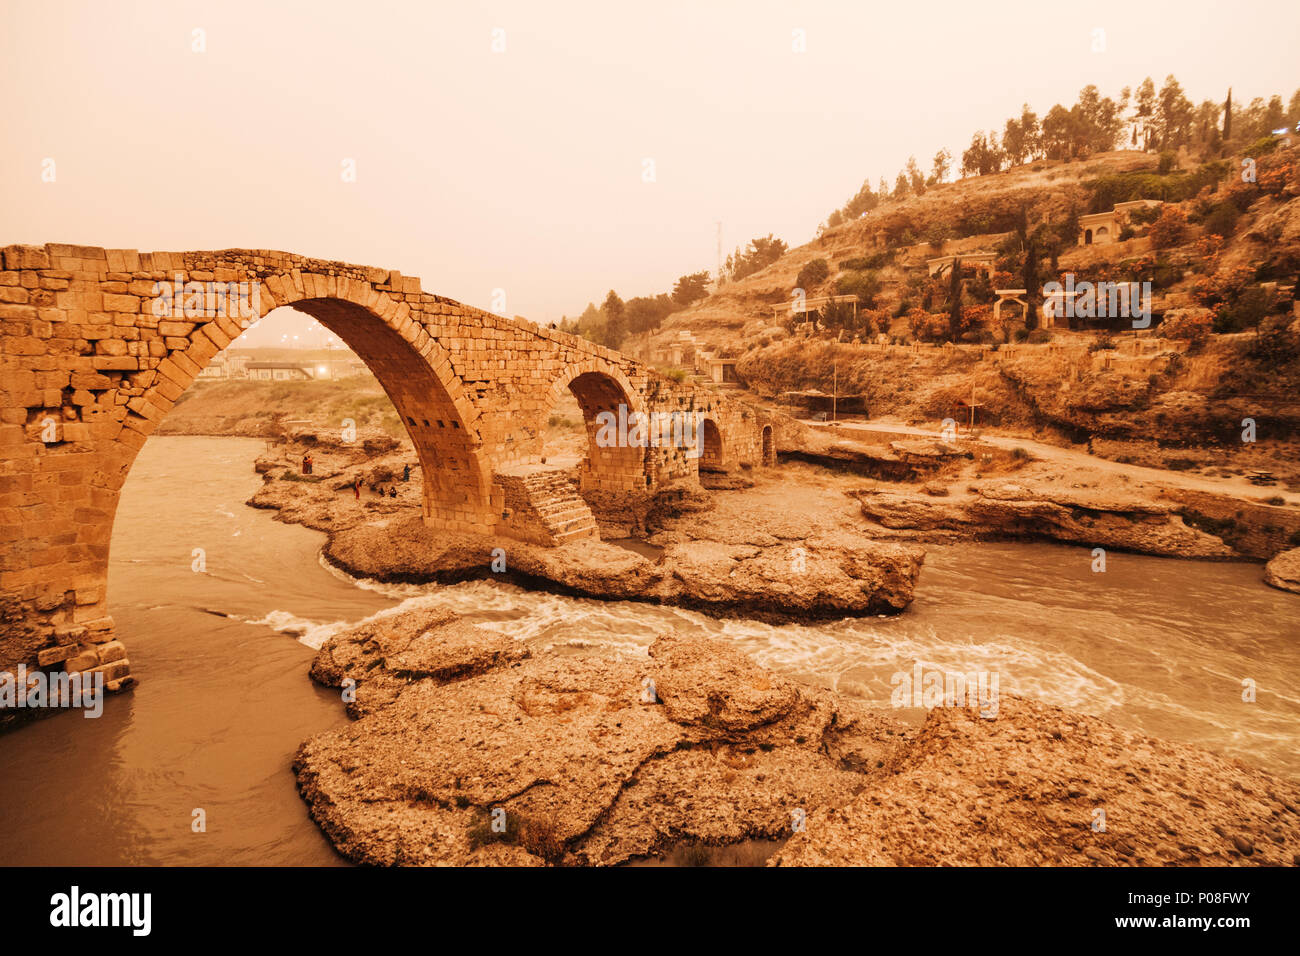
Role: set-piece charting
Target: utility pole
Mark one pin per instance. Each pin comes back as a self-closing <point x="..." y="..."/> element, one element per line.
<point x="835" y="388"/>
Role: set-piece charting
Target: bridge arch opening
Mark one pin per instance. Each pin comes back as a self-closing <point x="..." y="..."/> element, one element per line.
<point x="453" y="479"/>
<point x="614" y="455"/>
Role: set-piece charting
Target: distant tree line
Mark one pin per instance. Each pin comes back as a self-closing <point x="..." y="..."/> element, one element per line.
<point x="616" y="321"/>
<point x="1145" y="118"/>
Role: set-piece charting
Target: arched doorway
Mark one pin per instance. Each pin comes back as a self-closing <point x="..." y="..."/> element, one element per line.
<point x="711" y="446"/>
<point x="1087" y="237"/>
<point x="769" y="446"/>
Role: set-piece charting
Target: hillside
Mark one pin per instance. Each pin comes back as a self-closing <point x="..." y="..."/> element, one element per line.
<point x="1218" y="352"/>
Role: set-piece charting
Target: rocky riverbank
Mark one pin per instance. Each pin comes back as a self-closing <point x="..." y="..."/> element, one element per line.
<point x="746" y="548"/>
<point x="838" y="531"/>
<point x="467" y="750"/>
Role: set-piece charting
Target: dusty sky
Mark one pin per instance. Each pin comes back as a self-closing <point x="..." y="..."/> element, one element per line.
<point x="523" y="170"/>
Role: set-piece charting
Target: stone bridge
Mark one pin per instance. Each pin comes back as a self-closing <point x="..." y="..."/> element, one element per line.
<point x="96" y="345"/>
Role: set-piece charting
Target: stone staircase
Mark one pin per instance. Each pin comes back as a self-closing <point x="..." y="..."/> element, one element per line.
<point x="554" y="498"/>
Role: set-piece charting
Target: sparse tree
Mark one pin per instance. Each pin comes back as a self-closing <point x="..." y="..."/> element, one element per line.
<point x="615" y="313"/>
<point x="916" y="178"/>
<point x="691" y="288"/>
<point x="943" y="165"/>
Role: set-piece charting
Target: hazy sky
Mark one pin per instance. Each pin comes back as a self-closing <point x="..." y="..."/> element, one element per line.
<point x="523" y="170"/>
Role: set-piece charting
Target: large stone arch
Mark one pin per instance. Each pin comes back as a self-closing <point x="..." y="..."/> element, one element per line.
<point x="420" y="383"/>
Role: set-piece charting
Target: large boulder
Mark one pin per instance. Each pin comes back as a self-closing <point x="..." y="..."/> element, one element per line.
<point x="1284" y="571"/>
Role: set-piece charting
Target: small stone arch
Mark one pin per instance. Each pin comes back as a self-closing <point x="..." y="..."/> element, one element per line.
<point x="607" y="399"/>
<point x="712" y="449"/>
<point x="1087" y="237"/>
<point x="768" y="445"/>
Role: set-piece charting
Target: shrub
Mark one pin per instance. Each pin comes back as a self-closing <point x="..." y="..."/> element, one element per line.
<point x="1246" y="311"/>
<point x="813" y="274"/>
<point x="1222" y="219"/>
<point x="864" y="263"/>
<point x="1192" y="327"/>
<point x="1038" y="336"/>
<point x="1145" y="216"/>
<point x="1275" y="349"/>
<point x="865" y="285"/>
<point x="1170" y="229"/>
<point x="1167" y="160"/>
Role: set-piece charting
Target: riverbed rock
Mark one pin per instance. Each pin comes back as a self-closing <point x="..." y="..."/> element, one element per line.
<point x="997" y="509"/>
<point x="558" y="759"/>
<point x="1284" y="571"/>
<point x="583" y="760"/>
<point x="1028" y="787"/>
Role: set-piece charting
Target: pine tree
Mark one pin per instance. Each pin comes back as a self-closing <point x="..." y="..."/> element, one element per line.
<point x="1227" y="117"/>
<point x="954" y="300"/>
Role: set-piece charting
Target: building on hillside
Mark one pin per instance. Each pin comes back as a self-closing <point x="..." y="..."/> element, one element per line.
<point x="280" y="372"/>
<point x="787" y="309"/>
<point x="722" y="371"/>
<point x="223" y="366"/>
<point x="942" y="265"/>
<point x="678" y="352"/>
<point x="1099" y="228"/>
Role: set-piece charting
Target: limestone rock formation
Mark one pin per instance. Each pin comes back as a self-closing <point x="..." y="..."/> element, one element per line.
<point x="1030" y="787"/>
<point x="586" y="760"/>
<point x="995" y="509"/>
<point x="466" y="752"/>
<point x="1284" y="571"/>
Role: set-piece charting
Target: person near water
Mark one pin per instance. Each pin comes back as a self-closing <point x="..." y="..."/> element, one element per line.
<point x="406" y="473"/>
<point x="392" y="491"/>
<point x="306" y="464"/>
<point x="356" y="489"/>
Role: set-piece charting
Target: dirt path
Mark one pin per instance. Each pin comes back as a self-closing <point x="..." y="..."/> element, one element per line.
<point x="1069" y="458"/>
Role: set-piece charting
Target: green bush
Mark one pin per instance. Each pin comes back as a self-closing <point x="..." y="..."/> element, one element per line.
<point x="865" y="285"/>
<point x="1167" y="160"/>
<point x="813" y="274"/>
<point x="1175" y="187"/>
<point x="1244" y="312"/>
<point x="1222" y="219"/>
<point x="865" y="263"/>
